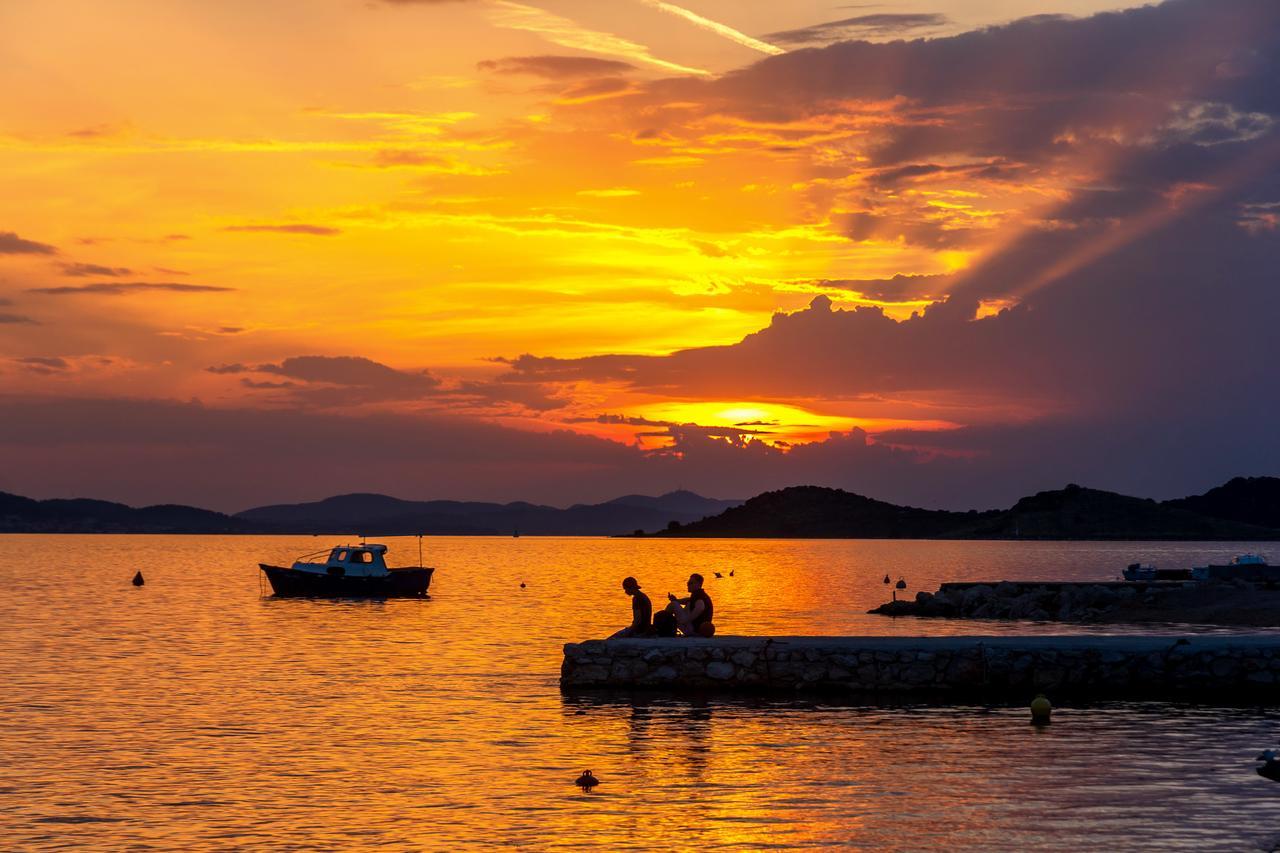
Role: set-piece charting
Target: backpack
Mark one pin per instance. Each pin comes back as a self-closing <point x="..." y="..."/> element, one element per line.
<point x="664" y="624"/>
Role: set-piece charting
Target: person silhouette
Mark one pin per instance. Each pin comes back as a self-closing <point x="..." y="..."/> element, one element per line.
<point x="641" y="611"/>
<point x="693" y="614"/>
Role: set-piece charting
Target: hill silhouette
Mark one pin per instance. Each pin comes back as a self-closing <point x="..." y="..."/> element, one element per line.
<point x="84" y="515"/>
<point x="381" y="515"/>
<point x="1249" y="500"/>
<point x="370" y="514"/>
<point x="1073" y="512"/>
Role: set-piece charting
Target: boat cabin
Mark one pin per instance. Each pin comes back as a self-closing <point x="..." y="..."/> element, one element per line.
<point x="357" y="560"/>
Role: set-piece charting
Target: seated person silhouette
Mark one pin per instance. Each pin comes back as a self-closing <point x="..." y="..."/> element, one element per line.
<point x="641" y="611"/>
<point x="693" y="615"/>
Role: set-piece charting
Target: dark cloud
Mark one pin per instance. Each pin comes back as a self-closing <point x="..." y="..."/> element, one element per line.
<point x="482" y="394"/>
<point x="678" y="431"/>
<point x="45" y="361"/>
<point x="555" y="67"/>
<point x="336" y="381"/>
<point x="897" y="225"/>
<point x="257" y="385"/>
<point x="119" y="288"/>
<point x="9" y="319"/>
<point x="288" y="228"/>
<point x="78" y="270"/>
<point x="592" y="89"/>
<point x="353" y="372"/>
<point x="899" y="288"/>
<point x="44" y="365"/>
<point x="12" y="244"/>
<point x="861" y="26"/>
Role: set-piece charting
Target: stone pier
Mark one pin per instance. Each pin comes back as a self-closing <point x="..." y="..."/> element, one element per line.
<point x="1212" y="666"/>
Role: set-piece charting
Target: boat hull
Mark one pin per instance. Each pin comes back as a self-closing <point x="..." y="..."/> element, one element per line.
<point x="397" y="583"/>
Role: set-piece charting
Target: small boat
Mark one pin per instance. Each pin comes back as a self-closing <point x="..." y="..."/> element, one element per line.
<point x="350" y="571"/>
<point x="1140" y="572"/>
<point x="1246" y="567"/>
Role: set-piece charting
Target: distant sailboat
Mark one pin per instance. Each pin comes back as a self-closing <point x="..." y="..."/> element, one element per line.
<point x="515" y="534"/>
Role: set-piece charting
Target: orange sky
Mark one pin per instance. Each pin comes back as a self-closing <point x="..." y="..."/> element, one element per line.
<point x="400" y="182"/>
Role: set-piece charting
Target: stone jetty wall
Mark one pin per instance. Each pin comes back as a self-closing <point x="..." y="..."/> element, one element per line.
<point x="1244" y="666"/>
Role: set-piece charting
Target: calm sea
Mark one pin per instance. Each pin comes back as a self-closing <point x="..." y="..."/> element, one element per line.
<point x="194" y="713"/>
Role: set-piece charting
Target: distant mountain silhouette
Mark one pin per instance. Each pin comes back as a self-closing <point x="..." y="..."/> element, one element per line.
<point x="82" y="515"/>
<point x="1246" y="508"/>
<point x="378" y="514"/>
<point x="1070" y="513"/>
<point x="1249" y="500"/>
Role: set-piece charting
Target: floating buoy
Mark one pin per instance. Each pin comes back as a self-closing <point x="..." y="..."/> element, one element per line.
<point x="1040" y="710"/>
<point x="731" y="571"/>
<point x="887" y="581"/>
<point x="901" y="584"/>
<point x="587" y="780"/>
<point x="522" y="584"/>
<point x="137" y="579"/>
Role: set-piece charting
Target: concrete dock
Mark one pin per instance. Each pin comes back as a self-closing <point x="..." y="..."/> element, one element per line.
<point x="1239" y="666"/>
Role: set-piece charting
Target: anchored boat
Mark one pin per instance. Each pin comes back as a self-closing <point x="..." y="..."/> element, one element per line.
<point x="1246" y="567"/>
<point x="350" y="571"/>
<point x="1141" y="572"/>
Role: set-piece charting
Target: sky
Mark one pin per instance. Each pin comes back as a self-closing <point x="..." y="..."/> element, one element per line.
<point x="940" y="253"/>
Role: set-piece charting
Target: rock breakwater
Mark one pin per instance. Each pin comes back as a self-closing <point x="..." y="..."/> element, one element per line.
<point x="1235" y="603"/>
<point x="1246" y="666"/>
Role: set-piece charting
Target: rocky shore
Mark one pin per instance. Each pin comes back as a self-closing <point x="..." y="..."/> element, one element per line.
<point x="1227" y="604"/>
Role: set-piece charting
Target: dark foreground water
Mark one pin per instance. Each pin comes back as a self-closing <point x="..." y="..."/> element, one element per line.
<point x="192" y="713"/>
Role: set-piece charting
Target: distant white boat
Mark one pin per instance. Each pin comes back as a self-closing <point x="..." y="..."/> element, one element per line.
<point x="1249" y="567"/>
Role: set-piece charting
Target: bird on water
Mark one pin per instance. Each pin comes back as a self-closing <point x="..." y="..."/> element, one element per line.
<point x="587" y="780"/>
<point x="1270" y="768"/>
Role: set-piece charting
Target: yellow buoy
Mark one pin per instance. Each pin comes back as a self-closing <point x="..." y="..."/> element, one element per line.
<point x="1040" y="710"/>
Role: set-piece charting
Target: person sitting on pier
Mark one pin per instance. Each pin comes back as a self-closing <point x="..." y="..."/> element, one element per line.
<point x="641" y="611"/>
<point x="693" y="614"/>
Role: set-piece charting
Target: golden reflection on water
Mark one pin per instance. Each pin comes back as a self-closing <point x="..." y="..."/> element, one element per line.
<point x="192" y="712"/>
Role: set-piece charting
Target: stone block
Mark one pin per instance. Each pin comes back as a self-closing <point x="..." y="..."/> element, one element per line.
<point x="589" y="674"/>
<point x="720" y="670"/>
<point x="814" y="672"/>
